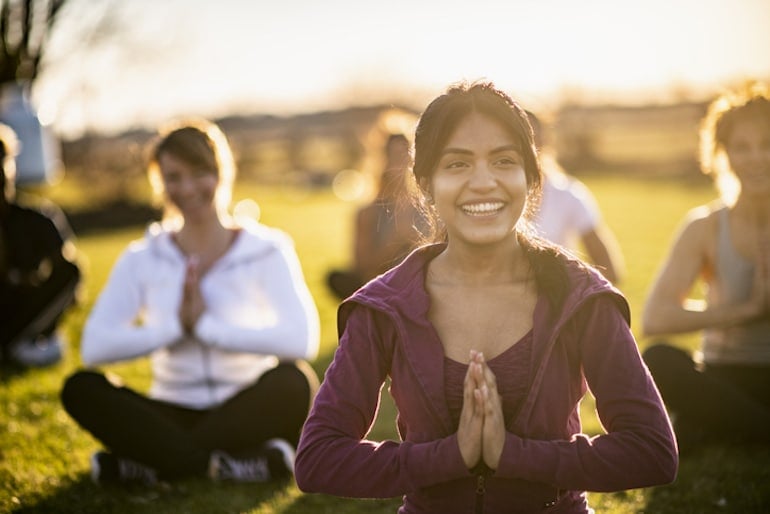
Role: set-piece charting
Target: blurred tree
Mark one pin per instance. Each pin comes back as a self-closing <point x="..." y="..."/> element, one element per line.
<point x="24" y="29"/>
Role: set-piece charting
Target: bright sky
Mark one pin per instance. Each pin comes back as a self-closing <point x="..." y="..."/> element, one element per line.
<point x="163" y="59"/>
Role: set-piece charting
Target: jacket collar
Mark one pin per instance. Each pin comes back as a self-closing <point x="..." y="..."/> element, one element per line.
<point x="400" y="293"/>
<point x="253" y="242"/>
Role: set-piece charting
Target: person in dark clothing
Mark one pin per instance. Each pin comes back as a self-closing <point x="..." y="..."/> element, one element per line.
<point x="38" y="274"/>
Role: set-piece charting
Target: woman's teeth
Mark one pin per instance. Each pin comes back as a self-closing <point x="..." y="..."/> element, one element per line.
<point x="482" y="209"/>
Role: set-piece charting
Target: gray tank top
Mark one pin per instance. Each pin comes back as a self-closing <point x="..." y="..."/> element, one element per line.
<point x="744" y="344"/>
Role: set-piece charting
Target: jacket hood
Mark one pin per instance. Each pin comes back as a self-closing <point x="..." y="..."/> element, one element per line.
<point x="401" y="295"/>
<point x="401" y="290"/>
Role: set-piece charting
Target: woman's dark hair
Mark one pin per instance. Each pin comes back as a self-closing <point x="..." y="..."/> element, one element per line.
<point x="442" y="116"/>
<point x="437" y="124"/>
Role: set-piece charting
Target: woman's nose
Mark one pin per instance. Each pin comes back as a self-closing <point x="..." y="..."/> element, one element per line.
<point x="482" y="176"/>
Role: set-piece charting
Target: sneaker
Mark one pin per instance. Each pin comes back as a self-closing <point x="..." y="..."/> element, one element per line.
<point x="280" y="458"/>
<point x="106" y="468"/>
<point x="37" y="353"/>
<point x="223" y="466"/>
<point x="274" y="462"/>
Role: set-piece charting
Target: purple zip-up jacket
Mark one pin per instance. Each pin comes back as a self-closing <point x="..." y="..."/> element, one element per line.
<point x="546" y="464"/>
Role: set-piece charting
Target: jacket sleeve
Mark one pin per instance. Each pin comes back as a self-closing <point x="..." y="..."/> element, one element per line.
<point x="111" y="332"/>
<point x="294" y="331"/>
<point x="638" y="448"/>
<point x="334" y="457"/>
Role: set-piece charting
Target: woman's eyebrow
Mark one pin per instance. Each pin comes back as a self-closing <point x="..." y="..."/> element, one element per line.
<point x="456" y="150"/>
<point x="504" y="148"/>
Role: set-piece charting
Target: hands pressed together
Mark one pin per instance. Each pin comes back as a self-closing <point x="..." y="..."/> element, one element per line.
<point x="192" y="306"/>
<point x="481" y="434"/>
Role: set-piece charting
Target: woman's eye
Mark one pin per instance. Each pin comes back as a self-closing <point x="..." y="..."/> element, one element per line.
<point x="508" y="161"/>
<point x="455" y="164"/>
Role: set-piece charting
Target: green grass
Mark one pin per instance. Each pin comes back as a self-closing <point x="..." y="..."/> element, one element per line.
<point x="44" y="455"/>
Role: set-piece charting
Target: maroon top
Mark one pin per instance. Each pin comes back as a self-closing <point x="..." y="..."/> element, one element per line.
<point x="511" y="369"/>
<point x="547" y="462"/>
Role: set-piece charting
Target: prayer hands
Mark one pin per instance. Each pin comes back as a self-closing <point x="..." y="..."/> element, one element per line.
<point x="192" y="306"/>
<point x="481" y="433"/>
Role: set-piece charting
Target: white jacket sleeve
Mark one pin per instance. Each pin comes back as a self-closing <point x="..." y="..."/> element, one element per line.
<point x="111" y="332"/>
<point x="294" y="331"/>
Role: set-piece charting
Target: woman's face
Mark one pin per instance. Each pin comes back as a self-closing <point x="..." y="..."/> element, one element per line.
<point x="748" y="150"/>
<point x="190" y="190"/>
<point x="479" y="186"/>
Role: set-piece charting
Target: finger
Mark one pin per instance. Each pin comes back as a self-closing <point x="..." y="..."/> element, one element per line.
<point x="493" y="401"/>
<point x="492" y="408"/>
<point x="489" y="376"/>
<point x="470" y="380"/>
<point x="469" y="387"/>
<point x="474" y="374"/>
<point x="479" y="405"/>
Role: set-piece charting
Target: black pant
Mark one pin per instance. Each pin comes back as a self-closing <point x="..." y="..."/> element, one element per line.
<point x="716" y="404"/>
<point x="30" y="311"/>
<point x="177" y="441"/>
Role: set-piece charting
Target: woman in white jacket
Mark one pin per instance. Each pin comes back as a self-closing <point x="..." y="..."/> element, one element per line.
<point x="223" y="310"/>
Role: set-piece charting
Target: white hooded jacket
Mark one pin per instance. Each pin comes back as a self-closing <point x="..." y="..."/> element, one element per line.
<point x="258" y="311"/>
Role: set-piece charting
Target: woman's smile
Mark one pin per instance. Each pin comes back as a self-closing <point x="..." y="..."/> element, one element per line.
<point x="482" y="209"/>
<point x="480" y="186"/>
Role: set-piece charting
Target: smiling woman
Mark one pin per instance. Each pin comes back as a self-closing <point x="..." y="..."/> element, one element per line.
<point x="222" y="309"/>
<point x="490" y="337"/>
<point x="479" y="188"/>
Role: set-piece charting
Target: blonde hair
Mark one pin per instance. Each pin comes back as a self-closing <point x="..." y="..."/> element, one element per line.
<point x="750" y="101"/>
<point x="199" y="143"/>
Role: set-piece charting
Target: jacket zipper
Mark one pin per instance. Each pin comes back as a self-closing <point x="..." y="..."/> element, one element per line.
<point x="207" y="373"/>
<point x="480" y="491"/>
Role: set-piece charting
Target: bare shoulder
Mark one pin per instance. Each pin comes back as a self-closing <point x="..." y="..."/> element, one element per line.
<point x="697" y="232"/>
<point x="701" y="220"/>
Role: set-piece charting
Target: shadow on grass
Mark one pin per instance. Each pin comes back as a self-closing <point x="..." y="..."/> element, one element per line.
<point x="10" y="371"/>
<point x="323" y="504"/>
<point x="190" y="496"/>
<point x="718" y="479"/>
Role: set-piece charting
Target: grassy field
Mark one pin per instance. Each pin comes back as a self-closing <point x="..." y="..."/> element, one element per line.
<point x="44" y="456"/>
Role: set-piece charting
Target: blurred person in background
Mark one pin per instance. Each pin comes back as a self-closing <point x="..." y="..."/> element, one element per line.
<point x="721" y="394"/>
<point x="39" y="276"/>
<point x="569" y="215"/>
<point x="386" y="229"/>
<point x="222" y="308"/>
<point x="490" y="338"/>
